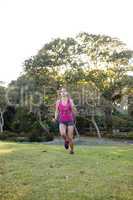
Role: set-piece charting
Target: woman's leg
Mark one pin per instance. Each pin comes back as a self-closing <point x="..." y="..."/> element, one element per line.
<point x="70" y="136"/>
<point x="63" y="129"/>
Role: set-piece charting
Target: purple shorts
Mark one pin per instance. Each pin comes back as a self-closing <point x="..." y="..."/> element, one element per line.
<point x="67" y="123"/>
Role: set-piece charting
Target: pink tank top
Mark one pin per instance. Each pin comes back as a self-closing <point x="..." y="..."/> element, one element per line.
<point x="65" y="112"/>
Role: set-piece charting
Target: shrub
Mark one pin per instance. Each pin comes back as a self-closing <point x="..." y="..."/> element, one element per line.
<point x="130" y="135"/>
<point x="82" y="122"/>
<point x="53" y="127"/>
<point x="7" y="134"/>
<point x="123" y="123"/>
<point x="38" y="134"/>
<point x="23" y="120"/>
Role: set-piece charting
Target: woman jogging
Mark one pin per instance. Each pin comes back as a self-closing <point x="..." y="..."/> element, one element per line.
<point x="65" y="114"/>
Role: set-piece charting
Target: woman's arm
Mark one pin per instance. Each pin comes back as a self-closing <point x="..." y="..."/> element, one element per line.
<point x="74" y="109"/>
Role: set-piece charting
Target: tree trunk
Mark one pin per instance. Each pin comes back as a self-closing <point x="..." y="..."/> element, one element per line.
<point x="96" y="126"/>
<point x="41" y="123"/>
<point x="108" y="117"/>
<point x="76" y="131"/>
<point x="1" y="121"/>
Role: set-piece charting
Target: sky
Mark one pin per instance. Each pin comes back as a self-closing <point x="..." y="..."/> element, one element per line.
<point x="26" y="25"/>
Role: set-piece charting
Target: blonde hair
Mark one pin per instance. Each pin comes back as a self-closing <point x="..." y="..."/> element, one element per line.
<point x="59" y="93"/>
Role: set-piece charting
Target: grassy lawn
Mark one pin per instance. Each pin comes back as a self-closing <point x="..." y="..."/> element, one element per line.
<point x="47" y="172"/>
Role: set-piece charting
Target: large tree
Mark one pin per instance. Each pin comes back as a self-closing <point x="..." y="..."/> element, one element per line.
<point x="108" y="67"/>
<point x="99" y="60"/>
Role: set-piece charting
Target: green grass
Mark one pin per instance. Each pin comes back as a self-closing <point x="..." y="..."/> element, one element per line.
<point x="43" y="172"/>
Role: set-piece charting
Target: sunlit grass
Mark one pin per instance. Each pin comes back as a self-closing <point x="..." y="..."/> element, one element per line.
<point x="43" y="172"/>
<point x="3" y="151"/>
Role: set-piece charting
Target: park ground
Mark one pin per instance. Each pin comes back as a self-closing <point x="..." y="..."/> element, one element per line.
<point x="99" y="170"/>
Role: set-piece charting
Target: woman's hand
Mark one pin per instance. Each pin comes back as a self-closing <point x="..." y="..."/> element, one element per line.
<point x="54" y="120"/>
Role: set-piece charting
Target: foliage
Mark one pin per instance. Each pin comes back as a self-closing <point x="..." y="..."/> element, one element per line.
<point x="6" y="135"/>
<point x="23" y="120"/>
<point x="9" y="115"/>
<point x="36" y="133"/>
<point x="122" y="122"/>
<point x="98" y="63"/>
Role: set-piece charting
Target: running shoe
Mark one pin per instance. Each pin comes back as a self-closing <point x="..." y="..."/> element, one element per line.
<point x="66" y="144"/>
<point x="71" y="152"/>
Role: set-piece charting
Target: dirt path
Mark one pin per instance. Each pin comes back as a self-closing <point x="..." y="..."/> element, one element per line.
<point x="92" y="141"/>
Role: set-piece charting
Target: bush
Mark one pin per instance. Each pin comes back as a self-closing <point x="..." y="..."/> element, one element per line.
<point x="23" y="120"/>
<point x="123" y="123"/>
<point x="9" y="115"/>
<point x="2" y="136"/>
<point x="7" y="134"/>
<point x="20" y="139"/>
<point x="130" y="135"/>
<point x="53" y="127"/>
<point x="34" y="137"/>
<point x="82" y="123"/>
<point x="121" y="135"/>
<point x="37" y="134"/>
<point x="48" y="137"/>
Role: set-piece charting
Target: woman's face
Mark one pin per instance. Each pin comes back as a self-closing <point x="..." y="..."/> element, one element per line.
<point x="63" y="92"/>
